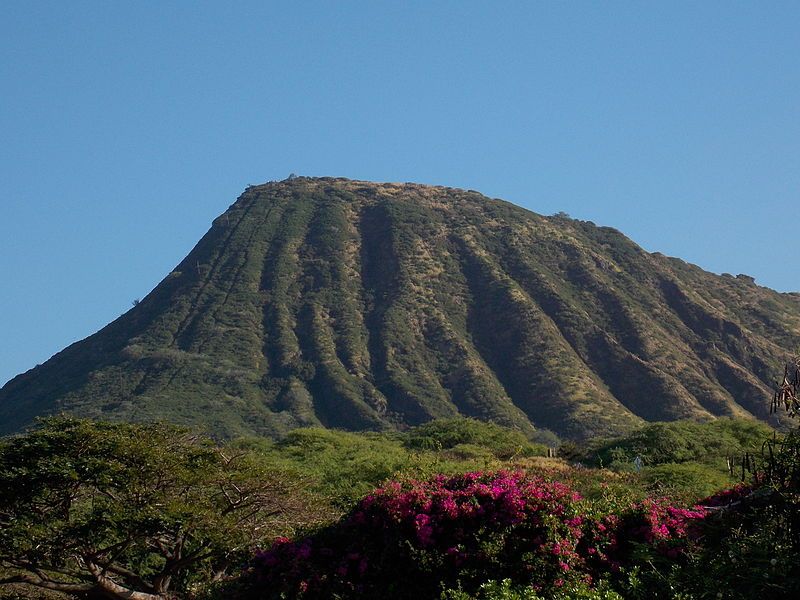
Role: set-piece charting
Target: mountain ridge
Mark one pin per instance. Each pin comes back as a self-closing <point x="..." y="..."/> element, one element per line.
<point x="327" y="301"/>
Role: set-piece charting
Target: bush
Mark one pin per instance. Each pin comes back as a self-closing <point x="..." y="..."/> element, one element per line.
<point x="683" y="441"/>
<point x="751" y="545"/>
<point x="404" y="540"/>
<point x="408" y="540"/>
<point x="507" y="590"/>
<point x="348" y="465"/>
<point x="443" y="434"/>
<point x="688" y="481"/>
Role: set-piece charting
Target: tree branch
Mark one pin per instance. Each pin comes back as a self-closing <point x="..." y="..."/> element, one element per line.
<point x="130" y="577"/>
<point x="48" y="584"/>
<point x="114" y="589"/>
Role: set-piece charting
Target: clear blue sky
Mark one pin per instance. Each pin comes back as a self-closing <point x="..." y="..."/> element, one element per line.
<point x="126" y="128"/>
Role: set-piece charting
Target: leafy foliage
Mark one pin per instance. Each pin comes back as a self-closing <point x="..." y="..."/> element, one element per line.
<point x="507" y="590"/>
<point x="688" y="480"/>
<point x="135" y="511"/>
<point x="442" y="434"/>
<point x="346" y="466"/>
<point x="343" y="466"/>
<point x="683" y="441"/>
<point x="74" y="491"/>
<point x="406" y="540"/>
<point x="752" y="545"/>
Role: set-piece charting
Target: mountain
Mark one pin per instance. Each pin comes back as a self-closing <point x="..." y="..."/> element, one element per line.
<point x="370" y="306"/>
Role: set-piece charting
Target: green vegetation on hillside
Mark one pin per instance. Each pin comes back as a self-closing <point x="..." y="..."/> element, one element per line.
<point x="376" y="307"/>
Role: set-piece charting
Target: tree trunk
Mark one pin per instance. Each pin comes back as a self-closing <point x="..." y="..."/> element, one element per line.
<point x="111" y="590"/>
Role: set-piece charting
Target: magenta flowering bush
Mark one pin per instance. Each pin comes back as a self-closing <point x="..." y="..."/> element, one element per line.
<point x="729" y="497"/>
<point x="409" y="539"/>
<point x="653" y="526"/>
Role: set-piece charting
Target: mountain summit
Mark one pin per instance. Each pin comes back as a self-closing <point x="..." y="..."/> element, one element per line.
<point x="369" y="306"/>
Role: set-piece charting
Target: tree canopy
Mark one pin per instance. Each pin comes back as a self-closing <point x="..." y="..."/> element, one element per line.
<point x="135" y="511"/>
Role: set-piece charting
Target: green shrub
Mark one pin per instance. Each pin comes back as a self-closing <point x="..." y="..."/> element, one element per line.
<point x="507" y="590"/>
<point x="442" y="434"/>
<point x="689" y="481"/>
<point x="682" y="441"/>
<point x="751" y="548"/>
<point x="346" y="465"/>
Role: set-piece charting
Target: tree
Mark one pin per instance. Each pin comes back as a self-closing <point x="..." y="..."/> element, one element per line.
<point x="135" y="511"/>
